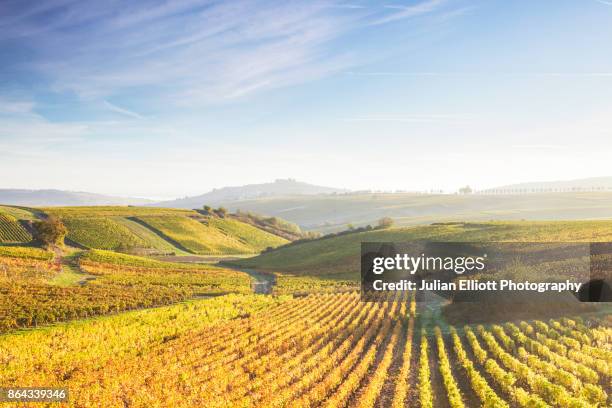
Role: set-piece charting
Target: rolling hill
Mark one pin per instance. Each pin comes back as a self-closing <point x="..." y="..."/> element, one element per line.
<point x="280" y="187"/>
<point x="62" y="198"/>
<point x="211" y="236"/>
<point x="339" y="256"/>
<point x="144" y="230"/>
<point x="329" y="213"/>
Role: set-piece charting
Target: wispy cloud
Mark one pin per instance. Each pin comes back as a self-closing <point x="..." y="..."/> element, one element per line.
<point x="123" y="111"/>
<point x="404" y="12"/>
<point x="198" y="49"/>
<point x="190" y="52"/>
<point x="607" y="3"/>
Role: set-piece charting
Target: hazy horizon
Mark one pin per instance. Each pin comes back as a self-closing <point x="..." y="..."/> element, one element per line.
<point x="348" y="191"/>
<point x="166" y="100"/>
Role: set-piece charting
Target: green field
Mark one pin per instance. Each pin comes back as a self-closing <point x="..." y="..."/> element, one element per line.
<point x="339" y="256"/>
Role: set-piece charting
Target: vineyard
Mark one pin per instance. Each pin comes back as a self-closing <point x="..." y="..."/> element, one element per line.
<point x="328" y="350"/>
<point x="196" y="237"/>
<point x="314" y="343"/>
<point x="101" y="233"/>
<point x="149" y="230"/>
<point x="254" y="237"/>
<point x="11" y="231"/>
<point x="340" y="254"/>
<point x="110" y="283"/>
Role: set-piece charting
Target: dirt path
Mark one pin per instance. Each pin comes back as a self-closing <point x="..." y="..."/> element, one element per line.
<point x="70" y="273"/>
<point x="263" y="282"/>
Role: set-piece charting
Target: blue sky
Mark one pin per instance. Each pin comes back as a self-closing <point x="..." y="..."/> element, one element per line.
<point x="167" y="99"/>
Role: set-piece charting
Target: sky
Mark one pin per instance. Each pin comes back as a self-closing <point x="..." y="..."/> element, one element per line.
<point x="167" y="99"/>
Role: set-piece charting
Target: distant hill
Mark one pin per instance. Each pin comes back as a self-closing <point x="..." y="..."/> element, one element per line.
<point x="38" y="198"/>
<point x="587" y="184"/>
<point x="334" y="212"/>
<point x="280" y="187"/>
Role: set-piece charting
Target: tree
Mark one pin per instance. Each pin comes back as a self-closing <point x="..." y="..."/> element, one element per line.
<point x="50" y="231"/>
<point x="465" y="190"/>
<point x="221" y="212"/>
<point x="385" y="222"/>
<point x="207" y="208"/>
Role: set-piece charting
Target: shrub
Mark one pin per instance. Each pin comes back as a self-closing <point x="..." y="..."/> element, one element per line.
<point x="50" y="231"/>
<point x="385" y="222"/>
